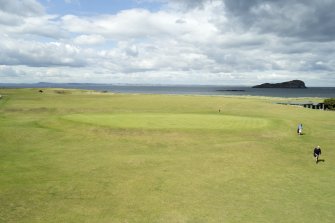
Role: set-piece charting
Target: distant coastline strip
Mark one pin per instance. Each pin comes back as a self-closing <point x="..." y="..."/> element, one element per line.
<point x="231" y="90"/>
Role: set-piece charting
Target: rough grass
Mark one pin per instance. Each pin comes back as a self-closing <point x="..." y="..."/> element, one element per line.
<point x="80" y="156"/>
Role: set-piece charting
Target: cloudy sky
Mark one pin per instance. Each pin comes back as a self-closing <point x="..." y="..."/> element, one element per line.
<point x="224" y="42"/>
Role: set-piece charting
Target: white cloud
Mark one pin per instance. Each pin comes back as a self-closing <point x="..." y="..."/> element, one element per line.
<point x="89" y="39"/>
<point x="139" y="23"/>
<point x="37" y="54"/>
<point x="203" y="42"/>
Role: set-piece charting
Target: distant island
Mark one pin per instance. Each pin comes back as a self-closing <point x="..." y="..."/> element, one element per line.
<point x="288" y="84"/>
<point x="231" y="90"/>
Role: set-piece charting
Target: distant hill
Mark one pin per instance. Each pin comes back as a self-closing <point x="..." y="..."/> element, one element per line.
<point x="288" y="84"/>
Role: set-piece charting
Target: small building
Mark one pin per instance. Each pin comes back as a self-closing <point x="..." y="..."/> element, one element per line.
<point x="307" y="104"/>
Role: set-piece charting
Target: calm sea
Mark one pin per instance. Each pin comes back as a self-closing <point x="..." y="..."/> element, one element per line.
<point x="322" y="92"/>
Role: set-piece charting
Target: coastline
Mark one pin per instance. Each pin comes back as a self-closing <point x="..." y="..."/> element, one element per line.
<point x="217" y="90"/>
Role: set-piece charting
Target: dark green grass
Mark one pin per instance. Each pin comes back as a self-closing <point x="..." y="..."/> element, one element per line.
<point x="80" y="156"/>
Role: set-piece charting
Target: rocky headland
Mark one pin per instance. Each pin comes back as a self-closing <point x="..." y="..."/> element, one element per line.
<point x="288" y="84"/>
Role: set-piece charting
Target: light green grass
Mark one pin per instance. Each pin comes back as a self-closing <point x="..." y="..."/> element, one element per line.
<point x="171" y="121"/>
<point x="81" y="156"/>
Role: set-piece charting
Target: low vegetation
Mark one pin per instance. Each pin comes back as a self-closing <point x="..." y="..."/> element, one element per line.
<point x="85" y="156"/>
<point x="330" y="103"/>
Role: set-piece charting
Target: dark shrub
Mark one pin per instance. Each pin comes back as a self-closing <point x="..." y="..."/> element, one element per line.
<point x="62" y="92"/>
<point x="330" y="103"/>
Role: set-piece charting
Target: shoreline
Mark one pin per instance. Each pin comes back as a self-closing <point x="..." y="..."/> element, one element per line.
<point x="99" y="92"/>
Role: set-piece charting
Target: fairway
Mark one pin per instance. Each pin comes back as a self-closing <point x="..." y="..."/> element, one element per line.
<point x="85" y="156"/>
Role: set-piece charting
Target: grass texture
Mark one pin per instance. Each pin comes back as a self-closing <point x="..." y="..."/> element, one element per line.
<point x="85" y="156"/>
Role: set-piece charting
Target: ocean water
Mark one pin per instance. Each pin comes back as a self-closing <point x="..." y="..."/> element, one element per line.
<point x="321" y="92"/>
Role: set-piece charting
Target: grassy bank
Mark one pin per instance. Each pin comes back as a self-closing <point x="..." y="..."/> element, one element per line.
<point x="82" y="156"/>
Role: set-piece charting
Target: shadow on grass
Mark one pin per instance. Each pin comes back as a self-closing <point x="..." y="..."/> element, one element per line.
<point x="320" y="160"/>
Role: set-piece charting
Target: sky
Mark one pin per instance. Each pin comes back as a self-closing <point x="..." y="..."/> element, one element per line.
<point x="206" y="42"/>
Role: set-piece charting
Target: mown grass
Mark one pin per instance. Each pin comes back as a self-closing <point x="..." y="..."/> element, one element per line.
<point x="170" y="121"/>
<point x="81" y="156"/>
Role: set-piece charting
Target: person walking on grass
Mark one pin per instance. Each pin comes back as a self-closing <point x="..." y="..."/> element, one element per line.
<point x="317" y="153"/>
<point x="299" y="129"/>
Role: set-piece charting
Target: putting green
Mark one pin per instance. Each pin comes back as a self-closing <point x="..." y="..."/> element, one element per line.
<point x="170" y="121"/>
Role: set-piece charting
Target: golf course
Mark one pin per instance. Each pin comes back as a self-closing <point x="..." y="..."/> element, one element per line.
<point x="87" y="156"/>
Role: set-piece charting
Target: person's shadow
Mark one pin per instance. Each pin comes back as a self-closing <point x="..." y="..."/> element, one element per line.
<point x="321" y="160"/>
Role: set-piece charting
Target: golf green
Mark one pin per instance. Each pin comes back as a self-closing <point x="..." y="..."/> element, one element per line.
<point x="171" y="121"/>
